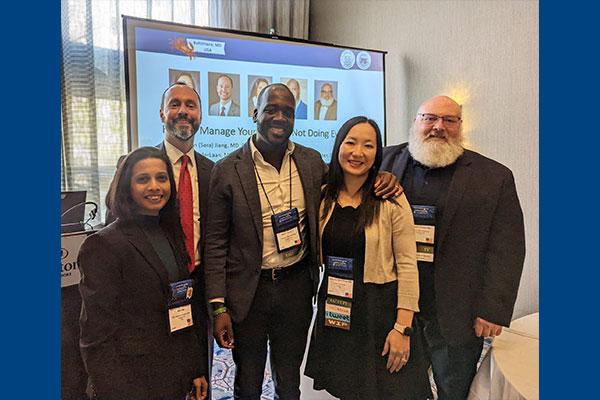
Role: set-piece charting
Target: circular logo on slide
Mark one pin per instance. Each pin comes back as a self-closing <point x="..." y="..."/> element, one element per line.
<point x="347" y="59"/>
<point x="363" y="60"/>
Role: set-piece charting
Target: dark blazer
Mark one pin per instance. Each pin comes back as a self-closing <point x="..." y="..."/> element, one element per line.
<point x="234" y="232"/>
<point x="125" y="342"/>
<point x="480" y="243"/>
<point x="331" y="113"/>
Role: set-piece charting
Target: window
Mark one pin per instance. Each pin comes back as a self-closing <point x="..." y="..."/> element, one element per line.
<point x="94" y="120"/>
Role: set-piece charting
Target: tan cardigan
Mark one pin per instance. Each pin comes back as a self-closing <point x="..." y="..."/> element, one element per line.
<point x="390" y="250"/>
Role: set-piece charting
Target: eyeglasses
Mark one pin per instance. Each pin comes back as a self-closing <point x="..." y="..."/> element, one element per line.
<point x="431" y="119"/>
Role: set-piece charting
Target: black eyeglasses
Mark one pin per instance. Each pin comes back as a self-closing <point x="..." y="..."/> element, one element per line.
<point x="431" y="119"/>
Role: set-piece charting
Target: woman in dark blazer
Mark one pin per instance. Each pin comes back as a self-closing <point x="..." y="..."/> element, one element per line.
<point x="129" y="342"/>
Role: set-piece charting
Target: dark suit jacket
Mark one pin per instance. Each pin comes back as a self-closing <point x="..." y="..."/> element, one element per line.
<point x="331" y="113"/>
<point x="480" y="243"/>
<point x="233" y="251"/>
<point x="125" y="345"/>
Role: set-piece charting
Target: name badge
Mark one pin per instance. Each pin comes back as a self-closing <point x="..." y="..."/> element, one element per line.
<point x="425" y="252"/>
<point x="179" y="305"/>
<point x="180" y="318"/>
<point x="425" y="233"/>
<point x="337" y="313"/>
<point x="286" y="226"/>
<point x="424" y="217"/>
<point x="339" y="287"/>
<point x="340" y="267"/>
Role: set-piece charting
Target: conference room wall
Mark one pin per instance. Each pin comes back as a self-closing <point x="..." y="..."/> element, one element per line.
<point x="484" y="54"/>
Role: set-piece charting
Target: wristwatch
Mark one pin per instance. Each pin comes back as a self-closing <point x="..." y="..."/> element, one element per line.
<point x="404" y="330"/>
<point x="216" y="305"/>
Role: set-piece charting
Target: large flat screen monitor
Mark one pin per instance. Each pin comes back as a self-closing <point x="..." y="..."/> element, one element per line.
<point x="331" y="83"/>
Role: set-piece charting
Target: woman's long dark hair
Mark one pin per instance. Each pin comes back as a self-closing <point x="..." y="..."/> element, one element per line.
<point x="335" y="179"/>
<point x="122" y="205"/>
<point x="255" y="86"/>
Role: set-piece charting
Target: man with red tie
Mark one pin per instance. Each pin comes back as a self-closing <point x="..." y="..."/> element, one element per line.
<point x="181" y="114"/>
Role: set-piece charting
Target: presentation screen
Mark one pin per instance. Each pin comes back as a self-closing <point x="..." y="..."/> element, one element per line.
<point x="228" y="68"/>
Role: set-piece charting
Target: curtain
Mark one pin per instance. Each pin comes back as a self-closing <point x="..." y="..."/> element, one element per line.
<point x="286" y="17"/>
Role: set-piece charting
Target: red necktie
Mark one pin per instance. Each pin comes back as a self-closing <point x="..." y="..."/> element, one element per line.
<point x="186" y="209"/>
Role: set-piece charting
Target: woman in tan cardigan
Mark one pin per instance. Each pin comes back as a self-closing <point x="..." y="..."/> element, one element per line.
<point x="361" y="346"/>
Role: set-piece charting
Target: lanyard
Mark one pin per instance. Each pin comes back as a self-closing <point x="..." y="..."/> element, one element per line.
<point x="263" y="186"/>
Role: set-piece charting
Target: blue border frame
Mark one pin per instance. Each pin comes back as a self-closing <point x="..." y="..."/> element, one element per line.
<point x="31" y="239"/>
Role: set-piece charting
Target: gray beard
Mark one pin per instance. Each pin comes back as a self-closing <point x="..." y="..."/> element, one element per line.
<point x="182" y="135"/>
<point x="434" y="154"/>
<point x="326" y="103"/>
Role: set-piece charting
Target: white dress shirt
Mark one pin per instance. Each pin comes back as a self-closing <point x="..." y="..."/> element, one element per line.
<point x="277" y="187"/>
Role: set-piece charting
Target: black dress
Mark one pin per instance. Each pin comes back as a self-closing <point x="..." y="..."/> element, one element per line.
<point x="348" y="363"/>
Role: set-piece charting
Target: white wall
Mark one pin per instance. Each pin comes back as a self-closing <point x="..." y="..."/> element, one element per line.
<point x="482" y="53"/>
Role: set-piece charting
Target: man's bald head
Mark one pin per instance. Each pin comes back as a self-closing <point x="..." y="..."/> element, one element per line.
<point x="440" y="105"/>
<point x="436" y="134"/>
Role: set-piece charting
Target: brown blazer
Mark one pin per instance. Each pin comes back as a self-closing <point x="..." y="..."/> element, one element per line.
<point x="331" y="113"/>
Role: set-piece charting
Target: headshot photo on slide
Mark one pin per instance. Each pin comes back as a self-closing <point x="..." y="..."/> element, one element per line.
<point x="224" y="94"/>
<point x="256" y="83"/>
<point x="325" y="100"/>
<point x="299" y="88"/>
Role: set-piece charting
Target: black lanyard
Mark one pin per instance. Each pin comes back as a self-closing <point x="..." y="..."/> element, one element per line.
<point x="263" y="186"/>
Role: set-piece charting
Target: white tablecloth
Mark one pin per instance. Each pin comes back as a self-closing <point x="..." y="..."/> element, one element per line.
<point x="510" y="370"/>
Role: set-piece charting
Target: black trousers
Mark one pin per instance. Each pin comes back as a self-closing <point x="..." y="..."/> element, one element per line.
<point x="280" y="315"/>
<point x="454" y="367"/>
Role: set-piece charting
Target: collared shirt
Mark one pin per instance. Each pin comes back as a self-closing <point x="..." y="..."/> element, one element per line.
<point x="277" y="187"/>
<point x="174" y="155"/>
<point x="323" y="111"/>
<point x="227" y="106"/>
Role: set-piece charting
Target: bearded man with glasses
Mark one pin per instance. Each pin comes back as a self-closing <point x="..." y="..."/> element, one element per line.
<point x="470" y="242"/>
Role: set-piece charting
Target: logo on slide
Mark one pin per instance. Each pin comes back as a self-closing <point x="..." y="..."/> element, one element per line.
<point x="363" y="60"/>
<point x="347" y="59"/>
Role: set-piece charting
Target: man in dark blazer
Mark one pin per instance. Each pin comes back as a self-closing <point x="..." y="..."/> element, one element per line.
<point x="257" y="293"/>
<point x="469" y="273"/>
<point x="181" y="114"/>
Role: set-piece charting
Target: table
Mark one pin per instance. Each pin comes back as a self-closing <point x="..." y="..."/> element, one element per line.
<point x="510" y="370"/>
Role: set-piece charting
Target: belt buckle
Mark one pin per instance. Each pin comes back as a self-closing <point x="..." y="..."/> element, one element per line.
<point x="273" y="278"/>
